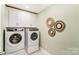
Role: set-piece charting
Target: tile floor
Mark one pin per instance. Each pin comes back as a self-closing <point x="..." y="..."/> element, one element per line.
<point x="23" y="52"/>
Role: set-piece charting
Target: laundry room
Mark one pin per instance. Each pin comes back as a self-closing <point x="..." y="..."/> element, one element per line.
<point x="39" y="29"/>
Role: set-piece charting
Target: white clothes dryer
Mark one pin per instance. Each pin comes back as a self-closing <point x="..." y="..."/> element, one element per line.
<point x="32" y="40"/>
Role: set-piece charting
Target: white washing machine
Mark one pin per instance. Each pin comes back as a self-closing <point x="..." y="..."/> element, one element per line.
<point x="14" y="39"/>
<point x="32" y="40"/>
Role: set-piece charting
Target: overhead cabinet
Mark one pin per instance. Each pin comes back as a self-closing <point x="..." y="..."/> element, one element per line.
<point x="18" y="18"/>
<point x="13" y="17"/>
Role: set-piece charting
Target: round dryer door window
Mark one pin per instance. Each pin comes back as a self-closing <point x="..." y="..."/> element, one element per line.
<point x="15" y="38"/>
<point x="34" y="36"/>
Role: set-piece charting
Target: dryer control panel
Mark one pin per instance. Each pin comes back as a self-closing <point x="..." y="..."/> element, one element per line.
<point x="33" y="29"/>
<point x="14" y="29"/>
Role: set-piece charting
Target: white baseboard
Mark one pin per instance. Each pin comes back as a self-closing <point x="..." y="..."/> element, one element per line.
<point x="45" y="51"/>
<point x="2" y="53"/>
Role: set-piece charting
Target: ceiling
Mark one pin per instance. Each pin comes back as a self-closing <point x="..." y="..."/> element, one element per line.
<point x="31" y="7"/>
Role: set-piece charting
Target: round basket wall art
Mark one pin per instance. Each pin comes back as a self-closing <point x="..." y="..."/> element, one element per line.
<point x="52" y="32"/>
<point x="59" y="26"/>
<point x="50" y="22"/>
<point x="54" y="26"/>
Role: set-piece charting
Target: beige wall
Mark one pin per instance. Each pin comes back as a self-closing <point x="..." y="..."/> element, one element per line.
<point x="69" y="38"/>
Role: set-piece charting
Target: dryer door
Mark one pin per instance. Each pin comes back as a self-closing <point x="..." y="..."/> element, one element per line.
<point x="34" y="36"/>
<point x="15" y="38"/>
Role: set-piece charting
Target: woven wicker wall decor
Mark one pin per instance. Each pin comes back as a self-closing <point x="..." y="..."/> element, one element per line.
<point x="59" y="26"/>
<point x="54" y="27"/>
<point x="50" y="22"/>
<point x="52" y="32"/>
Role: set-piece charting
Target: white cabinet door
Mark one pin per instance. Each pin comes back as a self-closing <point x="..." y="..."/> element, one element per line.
<point x="24" y="19"/>
<point x="4" y="19"/>
<point x="13" y="18"/>
<point x="33" y="20"/>
<point x="27" y="19"/>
